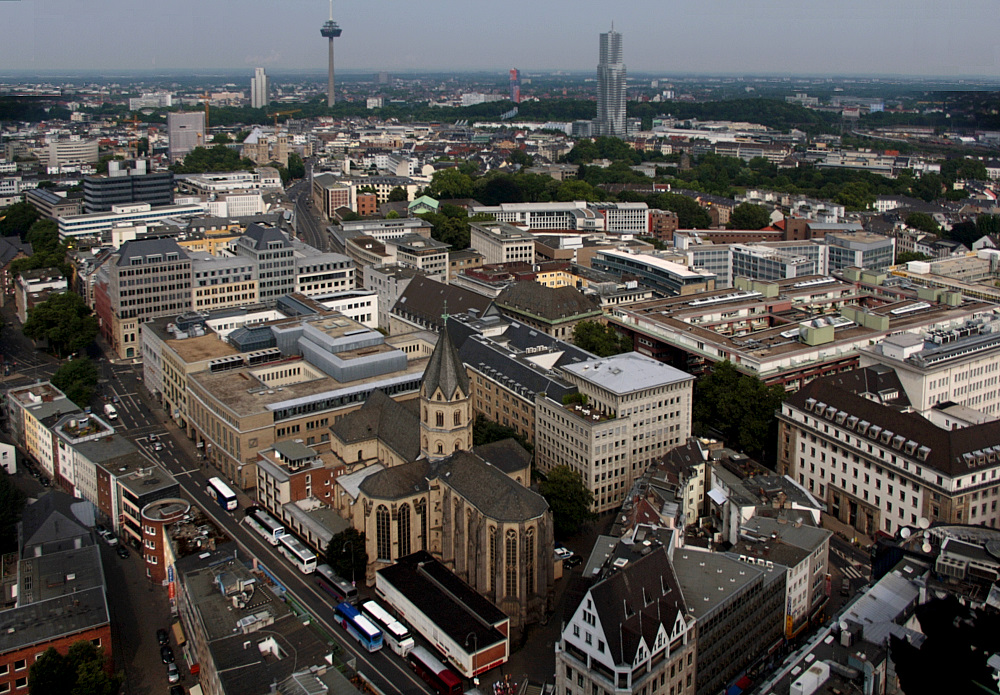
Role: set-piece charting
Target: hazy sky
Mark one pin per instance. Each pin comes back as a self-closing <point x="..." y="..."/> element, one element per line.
<point x="911" y="37"/>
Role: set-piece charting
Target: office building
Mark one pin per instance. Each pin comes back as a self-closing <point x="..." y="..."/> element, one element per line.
<point x="52" y="205"/>
<point x="634" y="411"/>
<point x="666" y="277"/>
<point x="515" y="85"/>
<point x="553" y="310"/>
<point x="259" y="95"/>
<point x="125" y="186"/>
<point x="98" y="224"/>
<point x="501" y="242"/>
<point x="185" y="131"/>
<point x="854" y="441"/>
<point x="611" y="87"/>
<point x="72" y="152"/>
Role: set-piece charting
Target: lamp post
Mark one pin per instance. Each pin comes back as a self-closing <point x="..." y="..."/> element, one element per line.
<point x="353" y="570"/>
<point x="475" y="652"/>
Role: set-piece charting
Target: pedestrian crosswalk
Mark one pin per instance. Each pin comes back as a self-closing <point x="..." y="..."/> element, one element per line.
<point x="852" y="572"/>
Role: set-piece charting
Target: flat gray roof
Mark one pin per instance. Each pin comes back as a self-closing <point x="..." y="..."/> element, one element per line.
<point x="627" y="372"/>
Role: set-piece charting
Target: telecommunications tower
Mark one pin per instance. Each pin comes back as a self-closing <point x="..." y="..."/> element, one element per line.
<point x="330" y="30"/>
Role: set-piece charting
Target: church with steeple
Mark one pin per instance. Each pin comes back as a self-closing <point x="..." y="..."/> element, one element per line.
<point x="419" y="484"/>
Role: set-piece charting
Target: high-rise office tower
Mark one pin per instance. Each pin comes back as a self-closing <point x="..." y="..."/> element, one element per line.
<point x="515" y="85"/>
<point x="611" y="87"/>
<point x="259" y="97"/>
<point x="185" y="131"/>
<point x="330" y="30"/>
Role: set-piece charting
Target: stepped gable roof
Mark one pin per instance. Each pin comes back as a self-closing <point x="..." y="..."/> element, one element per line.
<point x="506" y="454"/>
<point x="948" y="449"/>
<point x="445" y="370"/>
<point x="384" y="419"/>
<point x="634" y="601"/>
<point x="488" y="488"/>
<point x="397" y="482"/>
<point x="262" y="236"/>
<point x="548" y="303"/>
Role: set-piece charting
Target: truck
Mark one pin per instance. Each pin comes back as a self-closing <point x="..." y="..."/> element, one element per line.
<point x="111" y="411"/>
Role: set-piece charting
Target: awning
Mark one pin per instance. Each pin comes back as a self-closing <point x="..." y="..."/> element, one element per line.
<point x="718" y="496"/>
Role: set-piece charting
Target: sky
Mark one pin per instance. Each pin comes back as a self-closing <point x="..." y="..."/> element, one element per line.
<point x="835" y="37"/>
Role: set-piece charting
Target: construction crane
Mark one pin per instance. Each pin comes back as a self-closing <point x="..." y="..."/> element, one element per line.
<point x="134" y="122"/>
<point x="206" y="97"/>
<point x="281" y="113"/>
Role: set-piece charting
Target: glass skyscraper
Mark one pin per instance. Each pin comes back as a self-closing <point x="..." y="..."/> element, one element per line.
<point x="611" y="87"/>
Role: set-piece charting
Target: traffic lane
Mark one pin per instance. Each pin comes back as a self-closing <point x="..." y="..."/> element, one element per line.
<point x="386" y="672"/>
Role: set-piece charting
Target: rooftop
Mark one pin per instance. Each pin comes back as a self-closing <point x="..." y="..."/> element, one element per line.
<point x="627" y="373"/>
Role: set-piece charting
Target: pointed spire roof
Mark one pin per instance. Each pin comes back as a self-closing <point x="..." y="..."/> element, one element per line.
<point x="445" y="369"/>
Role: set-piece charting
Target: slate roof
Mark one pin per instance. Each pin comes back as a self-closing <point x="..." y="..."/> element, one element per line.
<point x="140" y="248"/>
<point x="55" y="521"/>
<point x="397" y="482"/>
<point x="262" y="236"/>
<point x="507" y="455"/>
<point x="426" y="301"/>
<point x="445" y="370"/>
<point x="488" y="488"/>
<point x="10" y="246"/>
<point x="947" y="447"/>
<point x="384" y="419"/>
<point x="548" y="303"/>
<point x="634" y="601"/>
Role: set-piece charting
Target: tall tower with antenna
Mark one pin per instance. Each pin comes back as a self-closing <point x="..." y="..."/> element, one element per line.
<point x="330" y="30"/>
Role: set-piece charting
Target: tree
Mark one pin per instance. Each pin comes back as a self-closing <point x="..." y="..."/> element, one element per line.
<point x="397" y="195"/>
<point x="738" y="406"/>
<point x="601" y="339"/>
<point x="65" y="321"/>
<point x="296" y="167"/>
<point x="77" y="379"/>
<point x="450" y="183"/>
<point x="221" y="139"/>
<point x="82" y="671"/>
<point x="11" y="506"/>
<point x="392" y="215"/>
<point x="17" y="219"/>
<point x="988" y="224"/>
<point x="521" y="157"/>
<point x="47" y="250"/>
<point x="923" y="222"/>
<point x="485" y="431"/>
<point x="216" y="158"/>
<point x="569" y="499"/>
<point x="347" y="555"/>
<point x="908" y="256"/>
<point x="749" y="216"/>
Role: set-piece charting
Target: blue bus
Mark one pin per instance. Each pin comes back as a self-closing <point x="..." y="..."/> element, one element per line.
<point x="359" y="626"/>
<point x="222" y="493"/>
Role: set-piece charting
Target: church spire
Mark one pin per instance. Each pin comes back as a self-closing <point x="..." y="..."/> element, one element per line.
<point x="445" y="370"/>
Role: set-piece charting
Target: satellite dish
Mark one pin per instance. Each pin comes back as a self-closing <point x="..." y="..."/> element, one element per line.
<point x="924" y="522"/>
<point x="843" y="624"/>
<point x="926" y="547"/>
<point x="905" y="532"/>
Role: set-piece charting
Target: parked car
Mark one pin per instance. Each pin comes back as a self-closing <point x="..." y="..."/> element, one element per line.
<point x="162" y="637"/>
<point x="845" y="587"/>
<point x="157" y="446"/>
<point x="563" y="554"/>
<point x="173" y="675"/>
<point x="572" y="561"/>
<point x="122" y="551"/>
<point x="177" y="690"/>
<point x="167" y="654"/>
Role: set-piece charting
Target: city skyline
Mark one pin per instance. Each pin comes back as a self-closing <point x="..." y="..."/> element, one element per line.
<point x="726" y="37"/>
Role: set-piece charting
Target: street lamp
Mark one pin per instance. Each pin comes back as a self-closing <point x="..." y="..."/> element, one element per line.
<point x="353" y="570"/>
<point x="475" y="652"/>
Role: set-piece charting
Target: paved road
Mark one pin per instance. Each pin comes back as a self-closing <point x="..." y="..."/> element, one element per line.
<point x="138" y="420"/>
<point x="308" y="225"/>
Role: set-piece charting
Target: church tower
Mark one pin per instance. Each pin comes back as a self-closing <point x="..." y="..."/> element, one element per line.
<point x="445" y="403"/>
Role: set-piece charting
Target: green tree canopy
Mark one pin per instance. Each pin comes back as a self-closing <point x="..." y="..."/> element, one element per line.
<point x="47" y="250"/>
<point x="17" y="219"/>
<point x="397" y="195"/>
<point x="601" y="339"/>
<point x="346" y="553"/>
<point x="569" y="499"/>
<point x="296" y="167"/>
<point x="215" y="158"/>
<point x="485" y="431"/>
<point x="77" y="379"/>
<point x="65" y="321"/>
<point x="988" y="224"/>
<point x="908" y="256"/>
<point x="923" y="222"/>
<point x="738" y="406"/>
<point x="450" y="183"/>
<point x="749" y="216"/>
<point x="82" y="671"/>
<point x="521" y="157"/>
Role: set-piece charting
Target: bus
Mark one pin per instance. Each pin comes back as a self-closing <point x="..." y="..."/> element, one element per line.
<point x="435" y="674"/>
<point x="340" y="589"/>
<point x="359" y="626"/>
<point x="265" y="524"/>
<point x="394" y="633"/>
<point x="222" y="493"/>
<point x="296" y="551"/>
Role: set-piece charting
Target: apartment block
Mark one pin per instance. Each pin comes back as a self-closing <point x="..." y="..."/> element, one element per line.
<point x="633" y="410"/>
